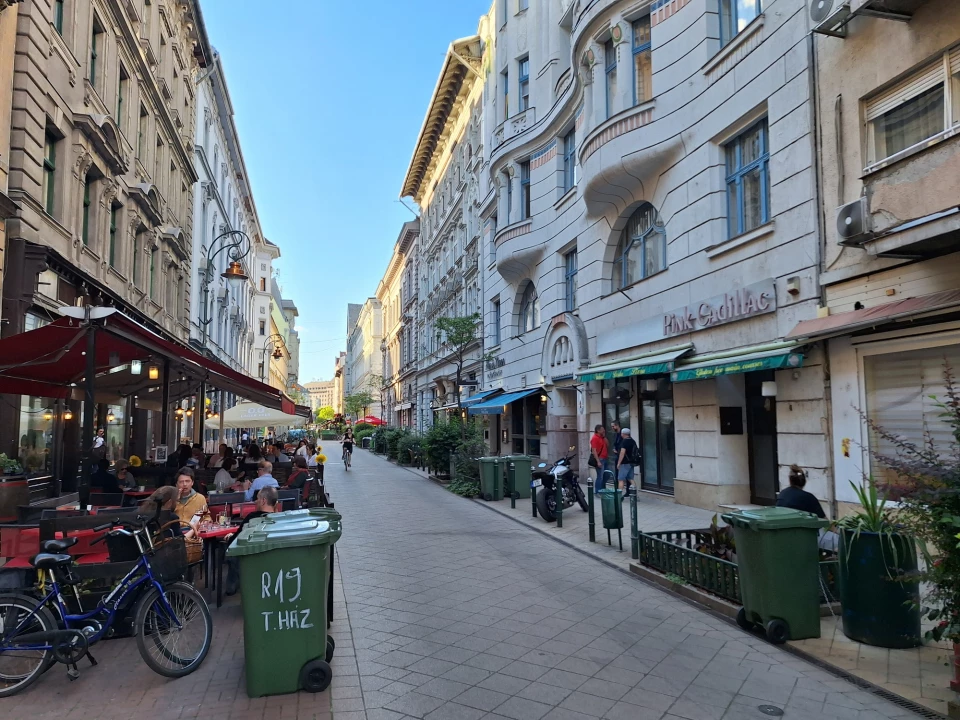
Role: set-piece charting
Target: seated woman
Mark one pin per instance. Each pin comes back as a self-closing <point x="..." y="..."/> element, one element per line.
<point x="796" y="497"/>
<point x="224" y="477"/>
<point x="298" y="476"/>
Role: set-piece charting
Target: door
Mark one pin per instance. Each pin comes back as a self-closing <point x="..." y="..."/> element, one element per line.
<point x="762" y="439"/>
<point x="658" y="455"/>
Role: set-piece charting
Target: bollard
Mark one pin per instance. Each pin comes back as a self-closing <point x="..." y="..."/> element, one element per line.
<point x="513" y="486"/>
<point x="634" y="531"/>
<point x="533" y="498"/>
<point x="558" y="493"/>
<point x="591" y="526"/>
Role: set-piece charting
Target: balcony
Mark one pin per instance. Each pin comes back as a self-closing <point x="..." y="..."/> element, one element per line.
<point x="514" y="126"/>
<point x="517" y="254"/>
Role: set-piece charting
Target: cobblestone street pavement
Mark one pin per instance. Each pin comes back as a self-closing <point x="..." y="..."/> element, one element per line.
<point x="459" y="613"/>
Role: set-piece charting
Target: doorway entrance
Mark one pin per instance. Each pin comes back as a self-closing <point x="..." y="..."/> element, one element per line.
<point x="762" y="439"/>
<point x="657" y="435"/>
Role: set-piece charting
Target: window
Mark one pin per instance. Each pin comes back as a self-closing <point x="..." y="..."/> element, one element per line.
<point x="94" y="50"/>
<point x="527" y="418"/>
<point x="141" y="135"/>
<point x="915" y="110"/>
<point x="137" y="250"/>
<point x="49" y="172"/>
<point x="569" y="160"/>
<point x="263" y="284"/>
<point x="610" y="68"/>
<point x="642" y="250"/>
<point x="525" y="190"/>
<point x="85" y="229"/>
<point x="506" y="94"/>
<point x="524" y="84"/>
<point x="642" y="65"/>
<point x="58" y="16"/>
<point x="748" y="180"/>
<point x="121" y="94"/>
<point x="735" y="15"/>
<point x="112" y="245"/>
<point x="263" y="327"/>
<point x="153" y="273"/>
<point x="898" y="388"/>
<point x="570" y="280"/>
<point x="509" y="186"/>
<point x="495" y="311"/>
<point x="529" y="309"/>
<point x="158" y="161"/>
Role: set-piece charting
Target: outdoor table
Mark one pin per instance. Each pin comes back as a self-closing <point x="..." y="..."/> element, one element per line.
<point x="132" y="497"/>
<point x="215" y="539"/>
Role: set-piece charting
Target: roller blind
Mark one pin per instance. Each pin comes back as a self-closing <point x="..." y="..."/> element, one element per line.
<point x="893" y="97"/>
<point x="898" y="390"/>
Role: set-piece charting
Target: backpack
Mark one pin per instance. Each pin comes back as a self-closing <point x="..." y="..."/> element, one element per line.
<point x="632" y="456"/>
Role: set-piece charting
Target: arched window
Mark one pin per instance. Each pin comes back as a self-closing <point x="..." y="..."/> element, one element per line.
<point x="642" y="251"/>
<point x="529" y="309"/>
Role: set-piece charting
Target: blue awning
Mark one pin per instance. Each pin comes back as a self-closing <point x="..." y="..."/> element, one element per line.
<point x="477" y="397"/>
<point x="496" y="404"/>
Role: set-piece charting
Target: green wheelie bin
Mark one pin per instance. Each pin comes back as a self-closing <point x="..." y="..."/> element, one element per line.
<point x="284" y="575"/>
<point x="519" y="472"/>
<point x="491" y="478"/>
<point x="779" y="567"/>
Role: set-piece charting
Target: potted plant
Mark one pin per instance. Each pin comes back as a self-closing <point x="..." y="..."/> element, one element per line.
<point x="10" y="466"/>
<point x="879" y="588"/>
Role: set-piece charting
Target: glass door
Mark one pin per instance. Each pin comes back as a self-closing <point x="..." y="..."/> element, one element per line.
<point x="762" y="439"/>
<point x="657" y="438"/>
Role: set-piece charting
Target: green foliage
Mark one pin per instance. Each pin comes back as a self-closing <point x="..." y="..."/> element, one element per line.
<point x="328" y="435"/>
<point x="325" y="414"/>
<point x="458" y="331"/>
<point x="363" y="426"/>
<point x="393" y="437"/>
<point x="409" y="441"/>
<point x="464" y="487"/>
<point x="9" y="465"/>
<point x="927" y="487"/>
<point x="357" y="403"/>
<point x="359" y="436"/>
<point x="439" y="443"/>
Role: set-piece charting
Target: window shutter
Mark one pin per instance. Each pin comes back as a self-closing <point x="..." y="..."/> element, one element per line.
<point x="955" y="61"/>
<point x="899" y="386"/>
<point x="928" y="78"/>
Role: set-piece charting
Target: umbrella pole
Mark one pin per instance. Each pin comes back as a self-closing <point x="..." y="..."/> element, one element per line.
<point x="89" y="384"/>
<point x="221" y="406"/>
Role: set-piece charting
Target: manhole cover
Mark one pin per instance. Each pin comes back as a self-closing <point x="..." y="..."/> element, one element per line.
<point x="771" y="710"/>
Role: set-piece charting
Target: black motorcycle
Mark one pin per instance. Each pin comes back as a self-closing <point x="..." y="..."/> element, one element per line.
<point x="544" y="485"/>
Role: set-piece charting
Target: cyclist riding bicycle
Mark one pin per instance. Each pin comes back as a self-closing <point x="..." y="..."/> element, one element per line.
<point x="347" y="443"/>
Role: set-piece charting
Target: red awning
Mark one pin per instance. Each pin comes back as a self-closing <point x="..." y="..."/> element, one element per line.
<point x="50" y="360"/>
<point x="849" y="322"/>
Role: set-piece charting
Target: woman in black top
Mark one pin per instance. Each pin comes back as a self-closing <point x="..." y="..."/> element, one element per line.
<point x="796" y="497"/>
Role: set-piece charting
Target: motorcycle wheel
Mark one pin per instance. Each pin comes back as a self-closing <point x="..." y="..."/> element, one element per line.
<point x="581" y="499"/>
<point x="546" y="505"/>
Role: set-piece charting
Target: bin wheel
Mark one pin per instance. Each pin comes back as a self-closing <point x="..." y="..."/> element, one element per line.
<point x="742" y="620"/>
<point x="778" y="632"/>
<point x="315" y="676"/>
<point x="488" y="497"/>
<point x="331" y="646"/>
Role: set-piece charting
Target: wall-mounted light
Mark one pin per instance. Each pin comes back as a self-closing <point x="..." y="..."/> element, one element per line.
<point x="768" y="389"/>
<point x="153" y="372"/>
<point x="68" y="415"/>
<point x="178" y="412"/>
<point x="543" y="398"/>
<point x="48" y="414"/>
<point x="111" y="417"/>
<point x="189" y="412"/>
<point x="135" y="367"/>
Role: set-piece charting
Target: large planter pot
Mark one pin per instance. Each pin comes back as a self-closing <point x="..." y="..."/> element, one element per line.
<point x="878" y="608"/>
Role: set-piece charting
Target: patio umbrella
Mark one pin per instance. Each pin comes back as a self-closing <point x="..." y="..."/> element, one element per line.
<point x="251" y="415"/>
<point x="371" y="420"/>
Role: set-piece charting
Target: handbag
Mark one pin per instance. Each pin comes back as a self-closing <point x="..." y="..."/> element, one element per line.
<point x="592" y="462"/>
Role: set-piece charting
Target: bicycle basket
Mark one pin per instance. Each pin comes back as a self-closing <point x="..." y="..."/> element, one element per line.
<point x="169" y="560"/>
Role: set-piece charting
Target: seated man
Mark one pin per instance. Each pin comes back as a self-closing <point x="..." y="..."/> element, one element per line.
<point x="104" y="479"/>
<point x="264" y="479"/>
<point x="266" y="504"/>
<point x="277" y="455"/>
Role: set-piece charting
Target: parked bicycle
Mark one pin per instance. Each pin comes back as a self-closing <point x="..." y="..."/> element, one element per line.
<point x="172" y="622"/>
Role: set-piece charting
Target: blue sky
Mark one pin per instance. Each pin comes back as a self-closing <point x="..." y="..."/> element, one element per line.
<point x="328" y="103"/>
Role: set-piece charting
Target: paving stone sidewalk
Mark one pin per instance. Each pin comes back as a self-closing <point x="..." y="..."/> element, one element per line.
<point x="457" y="612"/>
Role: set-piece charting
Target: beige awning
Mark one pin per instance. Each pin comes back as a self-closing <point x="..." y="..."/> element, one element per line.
<point x="251" y="415"/>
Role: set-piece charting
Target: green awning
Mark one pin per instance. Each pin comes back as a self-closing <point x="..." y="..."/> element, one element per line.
<point x="661" y="363"/>
<point x="781" y="359"/>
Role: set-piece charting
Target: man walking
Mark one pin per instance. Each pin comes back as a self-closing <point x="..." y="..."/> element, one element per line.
<point x="628" y="456"/>
<point x="599" y="452"/>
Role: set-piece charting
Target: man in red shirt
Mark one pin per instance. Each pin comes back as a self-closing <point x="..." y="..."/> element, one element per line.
<point x="600" y="450"/>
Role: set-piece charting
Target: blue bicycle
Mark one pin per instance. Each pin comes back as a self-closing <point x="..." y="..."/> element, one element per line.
<point x="172" y="622"/>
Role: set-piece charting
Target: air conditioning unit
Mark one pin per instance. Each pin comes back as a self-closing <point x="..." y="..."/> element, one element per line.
<point x="853" y="222"/>
<point x="830" y="16"/>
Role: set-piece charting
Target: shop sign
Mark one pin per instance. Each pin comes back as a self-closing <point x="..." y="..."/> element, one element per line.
<point x="740" y="304"/>
<point x="495" y="367"/>
<point x="735" y="367"/>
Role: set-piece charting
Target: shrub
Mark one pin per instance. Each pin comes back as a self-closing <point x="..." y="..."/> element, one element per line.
<point x="359" y="436"/>
<point x="359" y="427"/>
<point x="393" y="437"/>
<point x="409" y="441"/>
<point x="439" y="443"/>
<point x="466" y="480"/>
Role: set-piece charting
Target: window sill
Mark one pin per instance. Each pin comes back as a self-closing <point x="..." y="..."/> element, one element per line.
<point x="572" y="192"/>
<point x="622" y="290"/>
<point x="731" y="47"/>
<point x="740" y="240"/>
<point x="911" y="151"/>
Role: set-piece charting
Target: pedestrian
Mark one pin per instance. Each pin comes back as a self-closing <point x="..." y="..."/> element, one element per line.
<point x="627" y="458"/>
<point x="599" y="452"/>
<point x="617" y="438"/>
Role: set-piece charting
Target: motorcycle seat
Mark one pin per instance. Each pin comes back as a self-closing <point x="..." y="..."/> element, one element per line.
<point x="58" y="546"/>
<point x="48" y="561"/>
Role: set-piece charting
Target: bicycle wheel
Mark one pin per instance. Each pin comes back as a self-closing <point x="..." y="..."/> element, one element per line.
<point x="168" y="649"/>
<point x="19" y="668"/>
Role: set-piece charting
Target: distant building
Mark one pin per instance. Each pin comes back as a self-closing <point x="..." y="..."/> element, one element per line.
<point x="339" y="374"/>
<point x="321" y="394"/>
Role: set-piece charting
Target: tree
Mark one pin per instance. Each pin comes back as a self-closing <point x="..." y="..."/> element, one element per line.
<point x="357" y="403"/>
<point x="298" y="397"/>
<point x="458" y="334"/>
<point x="325" y="414"/>
<point x="379" y="384"/>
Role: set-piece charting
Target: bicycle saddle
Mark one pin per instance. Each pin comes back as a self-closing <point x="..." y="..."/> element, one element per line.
<point x="48" y="561"/>
<point x="58" y="546"/>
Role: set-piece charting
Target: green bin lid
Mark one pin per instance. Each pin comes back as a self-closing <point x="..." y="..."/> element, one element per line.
<point x="264" y="534"/>
<point x="318" y="513"/>
<point x="774" y="518"/>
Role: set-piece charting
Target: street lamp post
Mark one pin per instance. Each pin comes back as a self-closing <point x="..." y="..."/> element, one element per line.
<point x="274" y="344"/>
<point x="237" y="246"/>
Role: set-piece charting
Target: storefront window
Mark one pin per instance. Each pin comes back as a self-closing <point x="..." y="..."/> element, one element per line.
<point x="36" y="435"/>
<point x="116" y="433"/>
<point x="526" y="420"/>
<point x="657" y="435"/>
<point x="616" y="406"/>
<point x="899" y="387"/>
